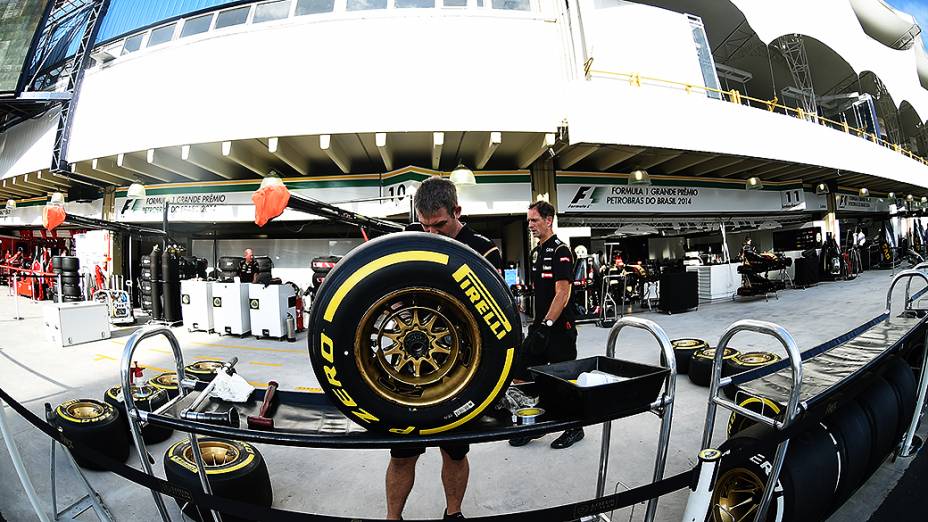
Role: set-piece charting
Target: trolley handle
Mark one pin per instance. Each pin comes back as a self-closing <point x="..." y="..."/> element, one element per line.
<point x="908" y="275"/>
<point x="795" y="361"/>
<point x="127" y="357"/>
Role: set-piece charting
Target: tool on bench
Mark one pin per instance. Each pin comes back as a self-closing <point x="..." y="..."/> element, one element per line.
<point x="263" y="421"/>
<point x="226" y="418"/>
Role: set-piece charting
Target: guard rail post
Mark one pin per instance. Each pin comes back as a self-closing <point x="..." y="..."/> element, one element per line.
<point x="16" y="317"/>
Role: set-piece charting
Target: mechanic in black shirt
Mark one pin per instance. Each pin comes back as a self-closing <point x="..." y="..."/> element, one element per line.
<point x="552" y="337"/>
<point x="439" y="213"/>
<point x="248" y="267"/>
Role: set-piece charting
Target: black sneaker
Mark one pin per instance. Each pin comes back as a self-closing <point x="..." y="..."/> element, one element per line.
<point x="568" y="438"/>
<point x="521" y="441"/>
<point x="455" y="516"/>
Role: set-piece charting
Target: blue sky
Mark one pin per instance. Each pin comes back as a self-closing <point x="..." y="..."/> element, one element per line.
<point x="916" y="8"/>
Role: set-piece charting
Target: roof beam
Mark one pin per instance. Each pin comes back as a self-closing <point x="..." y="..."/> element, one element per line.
<point x="211" y="162"/>
<point x="574" y="154"/>
<point x="140" y="166"/>
<point x="334" y="150"/>
<point x="20" y="181"/>
<point x="58" y="181"/>
<point x="715" y="165"/>
<point x="85" y="169"/>
<point x="534" y="148"/>
<point x="34" y="179"/>
<point x="645" y="162"/>
<point x="438" y="142"/>
<point x="820" y="175"/>
<point x="684" y="162"/>
<point x="487" y="147"/>
<point x="167" y="161"/>
<point x="796" y="173"/>
<point x="109" y="166"/>
<point x="740" y="168"/>
<point x="288" y="154"/>
<point x="7" y="186"/>
<point x="612" y="156"/>
<point x="386" y="153"/>
<point x="252" y="155"/>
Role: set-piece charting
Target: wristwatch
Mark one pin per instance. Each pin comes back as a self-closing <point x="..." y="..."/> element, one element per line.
<point x="549" y="323"/>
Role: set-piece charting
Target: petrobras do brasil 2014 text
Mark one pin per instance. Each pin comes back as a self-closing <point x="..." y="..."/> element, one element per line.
<point x="652" y="196"/>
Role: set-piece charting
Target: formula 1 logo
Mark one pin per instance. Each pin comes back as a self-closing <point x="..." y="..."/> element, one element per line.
<point x="586" y="197"/>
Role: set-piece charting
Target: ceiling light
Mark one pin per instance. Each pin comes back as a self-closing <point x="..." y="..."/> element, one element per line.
<point x="10" y="204"/>
<point x="924" y="199"/>
<point x="910" y="197"/>
<point x="639" y="177"/>
<point x="271" y="181"/>
<point x="864" y="192"/>
<point x="891" y="195"/>
<point x="136" y="191"/>
<point x="57" y="199"/>
<point x="753" y="183"/>
<point x="461" y="175"/>
<point x="821" y="189"/>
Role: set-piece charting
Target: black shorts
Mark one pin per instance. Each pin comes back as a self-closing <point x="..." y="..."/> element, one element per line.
<point x="455" y="451"/>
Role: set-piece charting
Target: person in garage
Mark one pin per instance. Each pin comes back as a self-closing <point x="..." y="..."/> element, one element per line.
<point x="248" y="267"/>
<point x="439" y="213"/>
<point x="552" y="337"/>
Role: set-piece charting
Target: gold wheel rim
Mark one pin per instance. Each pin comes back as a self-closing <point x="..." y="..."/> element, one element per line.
<point x="142" y="392"/>
<point x="709" y="353"/>
<point x="757" y="358"/>
<point x="417" y="347"/>
<point x="216" y="453"/>
<point x="737" y="495"/>
<point x="85" y="410"/>
<point x="203" y="367"/>
<point x="686" y="344"/>
<point x="166" y="380"/>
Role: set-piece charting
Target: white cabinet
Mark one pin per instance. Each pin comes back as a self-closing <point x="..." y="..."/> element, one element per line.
<point x="269" y="306"/>
<point x="717" y="281"/>
<point x="196" y="304"/>
<point x="75" y="323"/>
<point x="230" y="308"/>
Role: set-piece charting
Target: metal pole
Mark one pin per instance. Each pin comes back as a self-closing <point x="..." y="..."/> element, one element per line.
<point x="18" y="465"/>
<point x="907" y="450"/>
<point x="16" y="296"/>
<point x="697" y="504"/>
<point x="59" y="294"/>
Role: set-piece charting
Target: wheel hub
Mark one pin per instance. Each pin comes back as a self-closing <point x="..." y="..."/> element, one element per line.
<point x="215" y="453"/>
<point x="85" y="410"/>
<point x="737" y="496"/>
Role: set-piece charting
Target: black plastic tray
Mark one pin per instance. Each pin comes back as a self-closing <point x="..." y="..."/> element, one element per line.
<point x="639" y="388"/>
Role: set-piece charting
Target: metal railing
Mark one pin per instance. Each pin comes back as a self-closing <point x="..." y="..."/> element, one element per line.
<point x="736" y="97"/>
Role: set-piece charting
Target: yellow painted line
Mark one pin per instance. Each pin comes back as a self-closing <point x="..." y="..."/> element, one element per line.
<point x="308" y="389"/>
<point x="258" y="384"/>
<point x="256" y="363"/>
<point x="169" y="352"/>
<point x="253" y="348"/>
<point x="100" y="357"/>
<point x="205" y="357"/>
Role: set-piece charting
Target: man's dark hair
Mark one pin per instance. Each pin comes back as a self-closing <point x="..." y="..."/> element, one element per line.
<point x="545" y="209"/>
<point x="436" y="193"/>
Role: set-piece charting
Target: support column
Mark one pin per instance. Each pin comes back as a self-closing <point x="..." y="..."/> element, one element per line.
<point x="543" y="180"/>
<point x="794" y="51"/>
<point x="831" y="215"/>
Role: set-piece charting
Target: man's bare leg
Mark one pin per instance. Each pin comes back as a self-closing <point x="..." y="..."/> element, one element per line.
<point x="454" y="475"/>
<point x="401" y="475"/>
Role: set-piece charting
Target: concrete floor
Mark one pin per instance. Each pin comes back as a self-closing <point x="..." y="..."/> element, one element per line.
<point x="350" y="483"/>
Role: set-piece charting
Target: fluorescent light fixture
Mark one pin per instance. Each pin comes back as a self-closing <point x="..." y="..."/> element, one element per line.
<point x="639" y="177"/>
<point x="753" y="183"/>
<point x="10" y="204"/>
<point x="863" y="192"/>
<point x="136" y="191"/>
<point x="821" y="189"/>
<point x="271" y="181"/>
<point x="891" y="195"/>
<point x="56" y="199"/>
<point x="461" y="175"/>
<point x="910" y="197"/>
<point x="924" y="199"/>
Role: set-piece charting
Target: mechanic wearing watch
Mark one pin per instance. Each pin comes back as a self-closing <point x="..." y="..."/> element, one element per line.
<point x="552" y="337"/>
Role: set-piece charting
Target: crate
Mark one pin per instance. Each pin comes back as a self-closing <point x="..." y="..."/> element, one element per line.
<point x="639" y="387"/>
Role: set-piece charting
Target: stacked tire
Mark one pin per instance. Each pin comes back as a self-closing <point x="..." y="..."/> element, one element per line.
<point x="146" y="398"/>
<point x="264" y="267"/>
<point x="683" y="350"/>
<point x="94" y="424"/>
<point x="145" y="283"/>
<point x="321" y="267"/>
<point x="170" y="285"/>
<point x="228" y="268"/>
<point x="700" y="370"/>
<point x="69" y="268"/>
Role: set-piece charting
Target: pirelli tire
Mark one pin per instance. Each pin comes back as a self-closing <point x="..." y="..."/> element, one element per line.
<point x="700" y="370"/>
<point x="166" y="381"/>
<point x="746" y="361"/>
<point x="66" y="263"/>
<point x="235" y="470"/>
<point x="204" y="370"/>
<point x="147" y="398"/>
<point x="94" y="424"/>
<point x="806" y="484"/>
<point x="902" y="380"/>
<point x="230" y="263"/>
<point x="854" y="438"/>
<point x="69" y="279"/>
<point x="414" y="333"/>
<point x="71" y="291"/>
<point x="683" y="350"/>
<point x="882" y="410"/>
<point x="766" y="407"/>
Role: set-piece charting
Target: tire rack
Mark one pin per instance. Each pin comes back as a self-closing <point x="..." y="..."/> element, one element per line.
<point x="908" y="447"/>
<point x="662" y="407"/>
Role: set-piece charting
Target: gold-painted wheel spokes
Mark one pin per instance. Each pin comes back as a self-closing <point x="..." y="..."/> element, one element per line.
<point x="736" y="497"/>
<point x="417" y="346"/>
<point x="84" y="410"/>
<point x="215" y="453"/>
